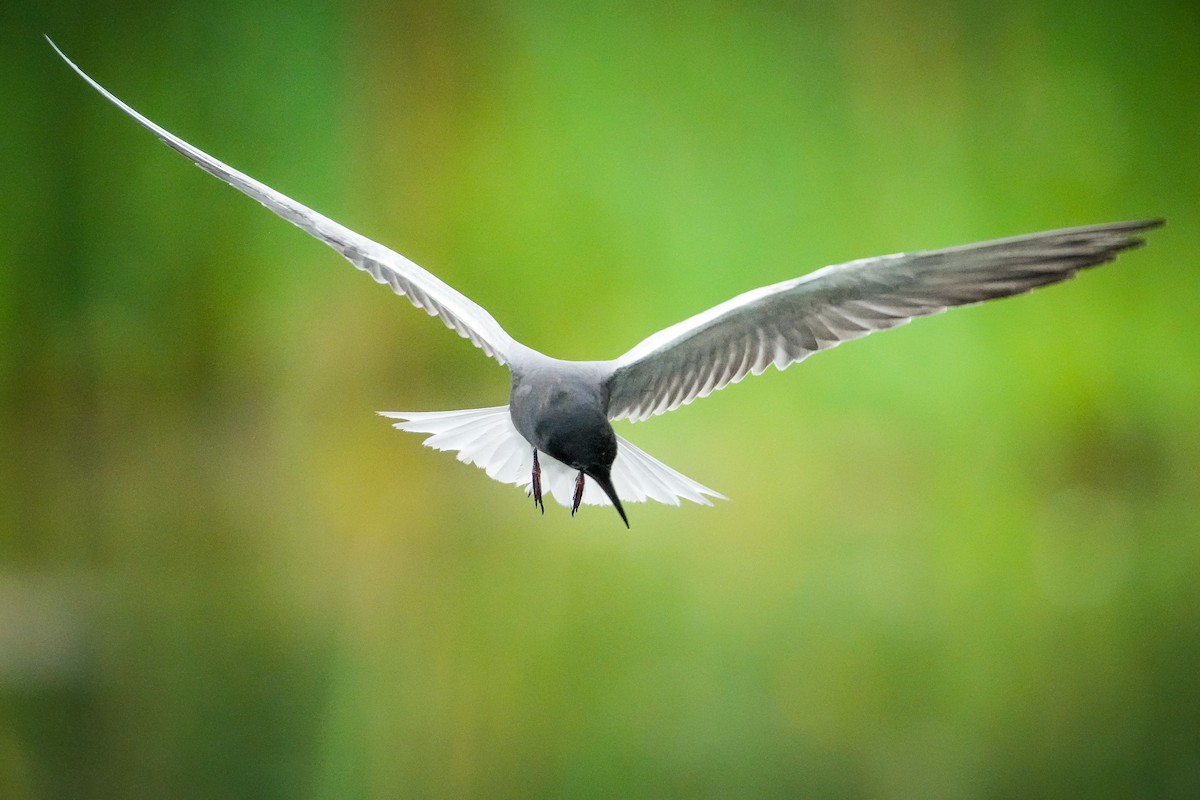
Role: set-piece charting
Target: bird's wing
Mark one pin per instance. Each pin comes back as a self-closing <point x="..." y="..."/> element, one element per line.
<point x="487" y="438"/>
<point x="789" y="321"/>
<point x="426" y="291"/>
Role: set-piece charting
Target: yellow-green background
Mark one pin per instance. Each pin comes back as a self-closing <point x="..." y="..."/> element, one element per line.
<point x="960" y="560"/>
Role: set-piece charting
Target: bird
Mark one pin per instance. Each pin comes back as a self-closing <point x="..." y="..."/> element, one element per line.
<point x="555" y="436"/>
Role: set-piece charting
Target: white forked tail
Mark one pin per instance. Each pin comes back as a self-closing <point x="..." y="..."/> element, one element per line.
<point x="486" y="438"/>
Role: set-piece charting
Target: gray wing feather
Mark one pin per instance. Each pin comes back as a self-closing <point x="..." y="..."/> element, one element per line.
<point x="789" y="321"/>
<point x="407" y="279"/>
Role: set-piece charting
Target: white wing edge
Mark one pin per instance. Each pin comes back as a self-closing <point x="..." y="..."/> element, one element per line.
<point x="487" y="438"/>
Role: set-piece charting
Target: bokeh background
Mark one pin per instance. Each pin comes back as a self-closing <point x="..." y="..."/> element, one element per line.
<point x="959" y="559"/>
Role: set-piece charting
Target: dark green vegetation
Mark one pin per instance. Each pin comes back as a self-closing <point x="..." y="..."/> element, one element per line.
<point x="960" y="559"/>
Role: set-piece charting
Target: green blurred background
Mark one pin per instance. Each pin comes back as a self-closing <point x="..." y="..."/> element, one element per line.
<point x="959" y="559"/>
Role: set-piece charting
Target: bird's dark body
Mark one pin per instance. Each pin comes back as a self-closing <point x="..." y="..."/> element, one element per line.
<point x="563" y="412"/>
<point x="565" y="419"/>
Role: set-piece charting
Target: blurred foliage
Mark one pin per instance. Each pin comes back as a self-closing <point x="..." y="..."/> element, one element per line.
<point x="959" y="560"/>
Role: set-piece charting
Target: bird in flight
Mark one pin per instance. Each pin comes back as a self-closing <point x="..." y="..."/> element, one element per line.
<point x="556" y="432"/>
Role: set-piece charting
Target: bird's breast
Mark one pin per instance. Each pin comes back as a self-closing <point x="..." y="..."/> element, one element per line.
<point x="564" y="416"/>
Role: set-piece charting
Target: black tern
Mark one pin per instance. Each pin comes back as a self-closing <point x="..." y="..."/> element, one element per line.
<point x="563" y="410"/>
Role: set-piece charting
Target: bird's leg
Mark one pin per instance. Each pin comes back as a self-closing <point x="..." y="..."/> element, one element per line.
<point x="537" y="483"/>
<point x="578" y="493"/>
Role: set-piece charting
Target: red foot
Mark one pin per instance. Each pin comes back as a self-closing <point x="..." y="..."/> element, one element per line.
<point x="578" y="494"/>
<point x="537" y="484"/>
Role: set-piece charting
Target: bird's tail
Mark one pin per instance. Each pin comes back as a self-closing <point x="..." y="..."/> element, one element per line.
<point x="487" y="438"/>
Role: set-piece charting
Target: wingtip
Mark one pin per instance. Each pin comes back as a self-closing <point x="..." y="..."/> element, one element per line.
<point x="1137" y="226"/>
<point x="1129" y="229"/>
<point x="57" y="49"/>
<point x="72" y="64"/>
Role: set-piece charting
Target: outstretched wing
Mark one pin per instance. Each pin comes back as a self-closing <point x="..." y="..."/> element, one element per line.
<point x="789" y="321"/>
<point x="425" y="290"/>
